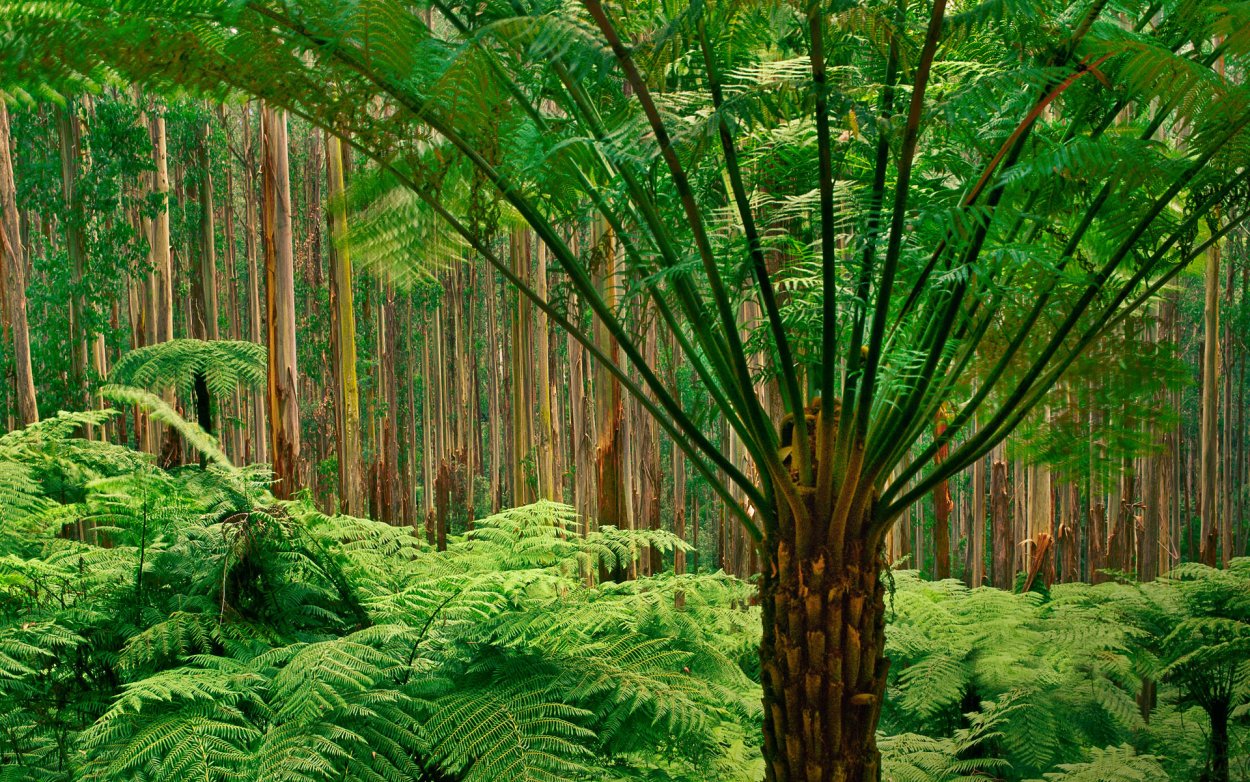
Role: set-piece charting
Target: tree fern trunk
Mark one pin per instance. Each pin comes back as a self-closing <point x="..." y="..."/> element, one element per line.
<point x="822" y="658"/>
<point x="1219" y="742"/>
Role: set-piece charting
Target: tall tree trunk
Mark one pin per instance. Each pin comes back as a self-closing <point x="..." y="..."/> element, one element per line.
<point x="74" y="219"/>
<point x="204" y="311"/>
<point x="580" y="430"/>
<point x="651" y="485"/>
<point x="494" y="395"/>
<point x="284" y="421"/>
<point x="542" y="381"/>
<point x="1227" y="488"/>
<point x="389" y="450"/>
<point x="1097" y="542"/>
<point x="521" y="374"/>
<point x="258" y="432"/>
<point x="942" y="507"/>
<point x="13" y="270"/>
<point x="976" y="542"/>
<point x="234" y="318"/>
<point x="1210" y="406"/>
<point x="343" y="331"/>
<point x="1041" y="512"/>
<point x="1000" y="514"/>
<point x="161" y="289"/>
<point x="609" y="473"/>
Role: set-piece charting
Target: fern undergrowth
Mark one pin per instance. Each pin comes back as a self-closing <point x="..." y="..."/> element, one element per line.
<point x="181" y="624"/>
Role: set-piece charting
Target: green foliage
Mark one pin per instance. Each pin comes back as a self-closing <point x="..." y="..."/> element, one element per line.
<point x="198" y="627"/>
<point x="1055" y="675"/>
<point x="222" y="635"/>
<point x="1113" y="764"/>
<point x="224" y="364"/>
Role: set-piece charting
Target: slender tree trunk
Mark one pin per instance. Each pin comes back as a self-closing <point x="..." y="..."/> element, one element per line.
<point x="162" y="279"/>
<point x="1042" y="513"/>
<point x="1152" y="488"/>
<point x="204" y="311"/>
<point x="942" y="507"/>
<point x="74" y="220"/>
<point x="494" y="395"/>
<point x="1000" y="514"/>
<point x="976" y="543"/>
<point x="1069" y="535"/>
<point x="388" y="470"/>
<point x="542" y="380"/>
<point x="521" y="374"/>
<point x="609" y="473"/>
<point x="257" y="437"/>
<point x="1210" y="407"/>
<point x="1097" y="542"/>
<point x="652" y="484"/>
<point x="1226" y="487"/>
<point x="581" y="425"/>
<point x="234" y="318"/>
<point x="284" y="421"/>
<point x="343" y="330"/>
<point x="13" y="270"/>
<point x="442" y="501"/>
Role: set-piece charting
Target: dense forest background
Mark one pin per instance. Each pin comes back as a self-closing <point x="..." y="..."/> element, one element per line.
<point x="531" y="390"/>
<point x="430" y="394"/>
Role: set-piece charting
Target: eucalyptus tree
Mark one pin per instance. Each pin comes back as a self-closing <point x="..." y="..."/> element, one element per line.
<point x="931" y="205"/>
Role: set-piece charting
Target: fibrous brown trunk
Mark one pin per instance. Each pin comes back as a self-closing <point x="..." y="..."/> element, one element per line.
<point x="822" y="656"/>
<point x="284" y="423"/>
<point x="13" y="272"/>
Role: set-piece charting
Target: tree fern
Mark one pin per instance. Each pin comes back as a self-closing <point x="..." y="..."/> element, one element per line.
<point x="223" y="365"/>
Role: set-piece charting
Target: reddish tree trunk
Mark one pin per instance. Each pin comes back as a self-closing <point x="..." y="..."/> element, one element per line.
<point x="1000" y="516"/>
<point x="284" y="421"/>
